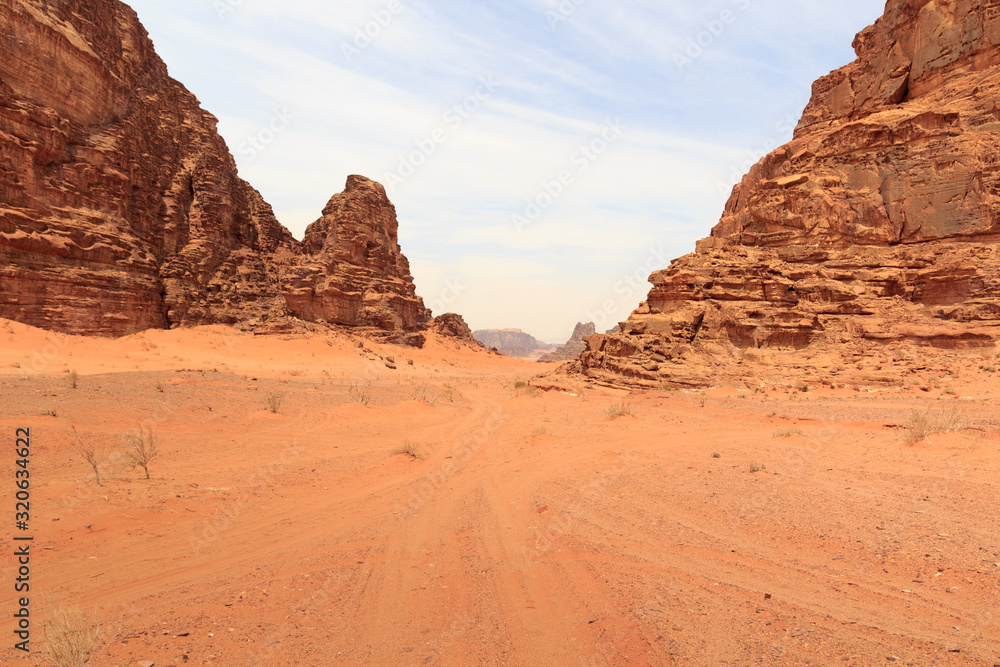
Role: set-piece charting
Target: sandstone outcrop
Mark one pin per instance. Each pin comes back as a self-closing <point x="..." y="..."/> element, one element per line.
<point x="573" y="347"/>
<point x="350" y="270"/>
<point x="877" y="225"/>
<point x="121" y="208"/>
<point x="452" y="325"/>
<point x="512" y="342"/>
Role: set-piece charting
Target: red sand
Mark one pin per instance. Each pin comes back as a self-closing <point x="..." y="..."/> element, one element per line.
<point x="529" y="529"/>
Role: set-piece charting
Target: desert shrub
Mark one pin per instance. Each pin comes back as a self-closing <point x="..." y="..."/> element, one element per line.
<point x="923" y="423"/>
<point x="621" y="408"/>
<point x="141" y="447"/>
<point x="69" y="636"/>
<point x="91" y="453"/>
<point x="407" y="449"/>
<point x="273" y="401"/>
<point x="422" y="394"/>
<point x="360" y="394"/>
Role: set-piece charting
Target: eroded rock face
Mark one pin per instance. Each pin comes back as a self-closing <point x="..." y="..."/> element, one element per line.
<point x="121" y="208"/>
<point x="351" y="269"/>
<point x="574" y="346"/>
<point x="453" y="325"/>
<point x="878" y="223"/>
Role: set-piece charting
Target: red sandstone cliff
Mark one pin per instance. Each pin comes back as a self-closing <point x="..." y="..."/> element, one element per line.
<point x="877" y="224"/>
<point x="121" y="208"/>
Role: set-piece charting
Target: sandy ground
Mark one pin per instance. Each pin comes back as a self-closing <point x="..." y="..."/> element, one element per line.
<point x="446" y="513"/>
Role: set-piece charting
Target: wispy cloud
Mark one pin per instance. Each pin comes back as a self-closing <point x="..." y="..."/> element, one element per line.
<point x="661" y="184"/>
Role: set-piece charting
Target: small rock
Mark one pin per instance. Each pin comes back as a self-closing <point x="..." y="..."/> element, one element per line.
<point x="144" y="663"/>
<point x="892" y="658"/>
<point x="183" y="633"/>
<point x="716" y="456"/>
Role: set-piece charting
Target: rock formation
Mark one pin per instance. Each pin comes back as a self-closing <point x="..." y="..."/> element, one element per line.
<point x="877" y="225"/>
<point x="512" y="342"/>
<point x="121" y="208"/>
<point x="451" y="325"/>
<point x="351" y="270"/>
<point x="573" y="347"/>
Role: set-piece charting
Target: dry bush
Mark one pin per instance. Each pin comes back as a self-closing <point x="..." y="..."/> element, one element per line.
<point x="408" y="449"/>
<point x="922" y="424"/>
<point x="273" y="401"/>
<point x="621" y="408"/>
<point x="91" y="453"/>
<point x="359" y="394"/>
<point x="422" y="394"/>
<point x="69" y="636"/>
<point x="141" y="447"/>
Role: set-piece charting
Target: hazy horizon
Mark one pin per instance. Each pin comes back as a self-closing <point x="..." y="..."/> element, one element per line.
<point x="543" y="156"/>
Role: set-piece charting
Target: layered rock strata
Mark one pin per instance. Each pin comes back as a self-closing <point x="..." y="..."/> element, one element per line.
<point x="878" y="224"/>
<point x="121" y="208"/>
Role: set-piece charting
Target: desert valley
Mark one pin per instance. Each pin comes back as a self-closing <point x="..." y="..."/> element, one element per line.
<point x="229" y="446"/>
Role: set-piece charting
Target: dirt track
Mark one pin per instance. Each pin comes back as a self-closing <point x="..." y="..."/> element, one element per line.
<point x="530" y="528"/>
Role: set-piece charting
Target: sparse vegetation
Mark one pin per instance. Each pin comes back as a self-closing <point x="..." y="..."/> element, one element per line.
<point x="273" y="400"/>
<point x="73" y="379"/>
<point x="91" y="453"/>
<point x="160" y="387"/>
<point x="407" y="449"/>
<point x="69" y="636"/>
<point x="922" y="424"/>
<point x="360" y="394"/>
<point x="757" y="467"/>
<point x="704" y="399"/>
<point x="421" y="394"/>
<point x="541" y="431"/>
<point x="141" y="447"/>
<point x="621" y="408"/>
<point x="949" y="390"/>
<point x="788" y="433"/>
<point x="49" y="413"/>
<point x="16" y="364"/>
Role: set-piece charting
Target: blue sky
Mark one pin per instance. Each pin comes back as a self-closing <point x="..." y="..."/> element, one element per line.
<point x="544" y="156"/>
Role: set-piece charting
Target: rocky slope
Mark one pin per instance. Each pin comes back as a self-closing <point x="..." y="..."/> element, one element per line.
<point x="121" y="208"/>
<point x="512" y="342"/>
<point x="573" y="347"/>
<point x="877" y="225"/>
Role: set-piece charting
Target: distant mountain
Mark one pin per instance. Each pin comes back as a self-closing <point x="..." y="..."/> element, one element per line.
<point x="512" y="342"/>
<point x="574" y="347"/>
